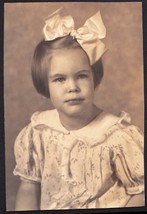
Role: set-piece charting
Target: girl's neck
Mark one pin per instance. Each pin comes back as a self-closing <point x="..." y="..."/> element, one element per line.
<point x="74" y="123"/>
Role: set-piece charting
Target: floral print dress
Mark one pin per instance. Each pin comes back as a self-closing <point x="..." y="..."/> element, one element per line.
<point x="98" y="166"/>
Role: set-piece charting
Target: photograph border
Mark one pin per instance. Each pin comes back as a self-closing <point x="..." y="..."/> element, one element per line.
<point x="2" y="131"/>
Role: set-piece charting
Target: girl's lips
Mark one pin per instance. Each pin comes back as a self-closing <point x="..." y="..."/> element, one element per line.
<point x="75" y="101"/>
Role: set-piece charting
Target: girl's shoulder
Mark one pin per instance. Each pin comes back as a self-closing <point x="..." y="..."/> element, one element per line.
<point x="48" y="119"/>
<point x="43" y="117"/>
<point x="111" y="122"/>
<point x="123" y="130"/>
<point x="121" y="124"/>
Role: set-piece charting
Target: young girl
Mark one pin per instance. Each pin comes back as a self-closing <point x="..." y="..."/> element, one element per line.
<point x="77" y="155"/>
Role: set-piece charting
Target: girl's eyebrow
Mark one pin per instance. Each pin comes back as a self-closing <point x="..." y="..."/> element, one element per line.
<point x="56" y="75"/>
<point x="82" y="71"/>
<point x="63" y="75"/>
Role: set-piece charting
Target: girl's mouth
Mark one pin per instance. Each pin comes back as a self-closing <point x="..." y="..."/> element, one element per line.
<point x="75" y="101"/>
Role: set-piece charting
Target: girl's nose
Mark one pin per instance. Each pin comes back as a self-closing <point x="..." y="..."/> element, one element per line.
<point x="73" y="86"/>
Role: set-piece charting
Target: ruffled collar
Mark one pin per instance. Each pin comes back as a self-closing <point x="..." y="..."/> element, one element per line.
<point x="100" y="124"/>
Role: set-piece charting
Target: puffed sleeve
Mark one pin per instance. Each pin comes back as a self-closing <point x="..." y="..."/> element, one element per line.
<point x="127" y="146"/>
<point x="27" y="155"/>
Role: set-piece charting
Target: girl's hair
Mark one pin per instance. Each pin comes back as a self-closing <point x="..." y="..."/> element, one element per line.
<point x="42" y="60"/>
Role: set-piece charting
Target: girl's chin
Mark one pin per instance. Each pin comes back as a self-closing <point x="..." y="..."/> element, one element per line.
<point x="73" y="113"/>
<point x="76" y="111"/>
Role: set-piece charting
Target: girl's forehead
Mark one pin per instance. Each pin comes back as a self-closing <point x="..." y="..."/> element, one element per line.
<point x="70" y="54"/>
<point x="69" y="60"/>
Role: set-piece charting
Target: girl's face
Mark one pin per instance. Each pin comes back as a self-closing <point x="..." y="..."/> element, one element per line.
<point x="71" y="84"/>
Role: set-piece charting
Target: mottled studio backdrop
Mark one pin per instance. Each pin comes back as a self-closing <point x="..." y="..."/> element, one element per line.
<point x="121" y="88"/>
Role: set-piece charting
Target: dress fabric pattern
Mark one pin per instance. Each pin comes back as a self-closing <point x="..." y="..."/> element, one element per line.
<point x="98" y="166"/>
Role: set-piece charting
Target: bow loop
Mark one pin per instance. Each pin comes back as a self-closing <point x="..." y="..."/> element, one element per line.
<point x="60" y="24"/>
<point x="96" y="25"/>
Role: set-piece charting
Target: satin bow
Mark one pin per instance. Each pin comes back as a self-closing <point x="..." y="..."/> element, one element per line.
<point x="60" y="24"/>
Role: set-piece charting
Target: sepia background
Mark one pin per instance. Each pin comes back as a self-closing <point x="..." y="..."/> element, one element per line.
<point x="121" y="88"/>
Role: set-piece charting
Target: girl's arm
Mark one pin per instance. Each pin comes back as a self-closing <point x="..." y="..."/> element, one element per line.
<point x="136" y="201"/>
<point x="28" y="196"/>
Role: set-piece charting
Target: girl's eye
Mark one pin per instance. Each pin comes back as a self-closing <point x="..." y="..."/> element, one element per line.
<point x="59" y="79"/>
<point x="82" y="76"/>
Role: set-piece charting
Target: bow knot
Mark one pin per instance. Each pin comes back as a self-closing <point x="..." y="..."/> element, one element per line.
<point x="60" y="24"/>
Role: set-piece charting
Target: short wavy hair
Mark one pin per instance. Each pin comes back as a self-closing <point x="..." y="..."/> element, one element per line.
<point x="42" y="60"/>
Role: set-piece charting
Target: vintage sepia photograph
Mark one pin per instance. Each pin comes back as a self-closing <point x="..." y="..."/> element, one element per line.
<point x="74" y="105"/>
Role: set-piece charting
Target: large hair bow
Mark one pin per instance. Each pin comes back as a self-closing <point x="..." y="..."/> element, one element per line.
<point x="60" y="24"/>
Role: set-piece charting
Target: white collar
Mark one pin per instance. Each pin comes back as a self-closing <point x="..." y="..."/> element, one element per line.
<point x="97" y="126"/>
